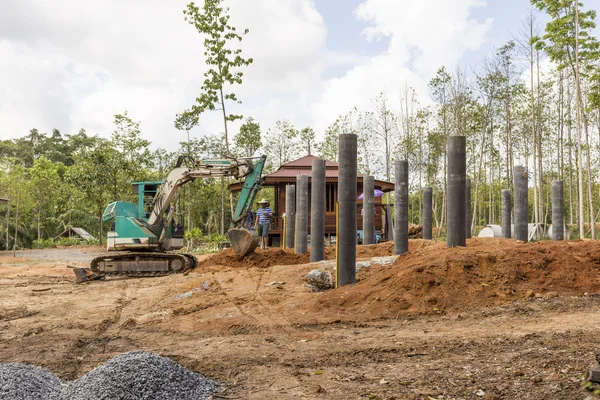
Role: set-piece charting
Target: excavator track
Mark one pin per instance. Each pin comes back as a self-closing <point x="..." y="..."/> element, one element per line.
<point x="136" y="264"/>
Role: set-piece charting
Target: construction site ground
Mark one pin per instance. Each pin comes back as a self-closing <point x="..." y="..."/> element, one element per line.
<point x="498" y="319"/>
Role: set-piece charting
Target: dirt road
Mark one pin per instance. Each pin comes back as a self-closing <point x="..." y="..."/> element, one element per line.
<point x="498" y="320"/>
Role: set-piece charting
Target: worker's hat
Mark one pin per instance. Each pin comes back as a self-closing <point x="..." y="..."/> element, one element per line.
<point x="263" y="201"/>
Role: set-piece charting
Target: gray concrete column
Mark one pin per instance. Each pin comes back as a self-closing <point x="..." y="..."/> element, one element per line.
<point x="467" y="208"/>
<point x="317" y="211"/>
<point x="455" y="212"/>
<point x="290" y="212"/>
<point x="558" y="218"/>
<point x="301" y="214"/>
<point x="427" y="213"/>
<point x="346" y="240"/>
<point x="401" y="207"/>
<point x="506" y="223"/>
<point x="521" y="203"/>
<point x="368" y="216"/>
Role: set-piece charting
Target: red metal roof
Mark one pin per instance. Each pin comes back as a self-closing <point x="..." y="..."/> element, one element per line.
<point x="293" y="172"/>
<point x="306" y="162"/>
<point x="288" y="172"/>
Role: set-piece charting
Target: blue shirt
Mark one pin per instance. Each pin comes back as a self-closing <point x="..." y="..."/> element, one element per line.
<point x="262" y="218"/>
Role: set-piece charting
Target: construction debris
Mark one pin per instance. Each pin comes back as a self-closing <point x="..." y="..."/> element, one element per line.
<point x="319" y="280"/>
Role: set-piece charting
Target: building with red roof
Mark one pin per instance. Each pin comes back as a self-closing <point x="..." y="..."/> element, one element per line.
<point x="286" y="175"/>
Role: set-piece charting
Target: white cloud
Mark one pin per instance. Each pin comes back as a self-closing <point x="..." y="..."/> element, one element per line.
<point x="73" y="64"/>
<point x="423" y="36"/>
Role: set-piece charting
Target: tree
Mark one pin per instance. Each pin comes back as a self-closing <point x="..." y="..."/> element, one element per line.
<point x="568" y="42"/>
<point x="43" y="175"/>
<point x="307" y="137"/>
<point x="212" y="21"/>
<point x="186" y="121"/>
<point x="281" y="144"/>
<point x="248" y="139"/>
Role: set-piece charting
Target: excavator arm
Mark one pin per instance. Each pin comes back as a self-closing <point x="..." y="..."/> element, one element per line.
<point x="242" y="240"/>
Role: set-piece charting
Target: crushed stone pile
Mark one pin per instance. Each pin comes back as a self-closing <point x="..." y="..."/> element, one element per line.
<point x="136" y="375"/>
<point x="27" y="382"/>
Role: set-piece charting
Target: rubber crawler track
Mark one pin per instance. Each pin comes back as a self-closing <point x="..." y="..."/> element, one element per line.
<point x="189" y="262"/>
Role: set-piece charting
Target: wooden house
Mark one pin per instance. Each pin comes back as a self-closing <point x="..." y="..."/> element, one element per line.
<point x="286" y="175"/>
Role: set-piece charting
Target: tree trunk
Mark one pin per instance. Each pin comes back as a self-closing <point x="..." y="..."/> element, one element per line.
<point x="539" y="143"/>
<point x="578" y="112"/>
<point x="222" y="206"/>
<point x="442" y="219"/>
<point x="533" y="125"/>
<point x="570" y="140"/>
<point x="39" y="228"/>
<point x="589" y="181"/>
<point x="7" y="226"/>
<point x="100" y="230"/>
<point x="17" y="220"/>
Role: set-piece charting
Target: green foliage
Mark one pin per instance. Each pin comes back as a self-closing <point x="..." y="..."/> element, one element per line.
<point x="248" y="140"/>
<point x="281" y="144"/>
<point x="307" y="138"/>
<point x="195" y="238"/>
<point x="186" y="121"/>
<point x="212" y="22"/>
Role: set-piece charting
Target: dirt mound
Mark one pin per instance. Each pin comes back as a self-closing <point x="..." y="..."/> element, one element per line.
<point x="487" y="272"/>
<point x="415" y="231"/>
<point x="277" y="256"/>
<point x="261" y="258"/>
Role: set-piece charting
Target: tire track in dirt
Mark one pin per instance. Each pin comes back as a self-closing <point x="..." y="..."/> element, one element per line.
<point x="95" y="344"/>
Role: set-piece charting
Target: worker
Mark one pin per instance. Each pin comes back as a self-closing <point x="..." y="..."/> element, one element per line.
<point x="263" y="220"/>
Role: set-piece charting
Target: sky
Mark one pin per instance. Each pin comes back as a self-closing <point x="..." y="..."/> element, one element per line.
<point x="72" y="64"/>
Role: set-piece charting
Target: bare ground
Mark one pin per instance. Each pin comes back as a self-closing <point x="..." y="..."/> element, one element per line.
<point x="498" y="320"/>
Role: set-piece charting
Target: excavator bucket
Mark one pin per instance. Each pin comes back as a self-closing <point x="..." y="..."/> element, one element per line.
<point x="243" y="241"/>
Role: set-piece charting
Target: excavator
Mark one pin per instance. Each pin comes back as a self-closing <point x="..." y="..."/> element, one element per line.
<point x="144" y="235"/>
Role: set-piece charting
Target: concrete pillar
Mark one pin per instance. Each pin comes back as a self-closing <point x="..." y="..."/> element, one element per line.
<point x="506" y="223"/>
<point x="401" y="207"/>
<point x="301" y="214"/>
<point x="467" y="208"/>
<point x="558" y="218"/>
<point x="290" y="212"/>
<point x="346" y="240"/>
<point x="317" y="211"/>
<point x="427" y="213"/>
<point x="368" y="210"/>
<point x="521" y="203"/>
<point x="455" y="213"/>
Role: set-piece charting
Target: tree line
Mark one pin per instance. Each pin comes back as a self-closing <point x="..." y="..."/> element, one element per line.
<point x="535" y="102"/>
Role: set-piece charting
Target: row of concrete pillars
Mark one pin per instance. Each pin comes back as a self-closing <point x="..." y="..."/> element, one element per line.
<point x="521" y="207"/>
<point x="458" y="209"/>
<point x="296" y="211"/>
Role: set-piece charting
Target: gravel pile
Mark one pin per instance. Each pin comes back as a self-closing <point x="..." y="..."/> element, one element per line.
<point x="27" y="382"/>
<point x="136" y="375"/>
<point x="139" y="375"/>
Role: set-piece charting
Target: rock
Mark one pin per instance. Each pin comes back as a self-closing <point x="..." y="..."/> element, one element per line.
<point x="319" y="280"/>
<point x="529" y="294"/>
<point x="550" y="295"/>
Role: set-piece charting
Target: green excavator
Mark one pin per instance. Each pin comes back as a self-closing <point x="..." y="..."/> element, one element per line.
<point x="144" y="235"/>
